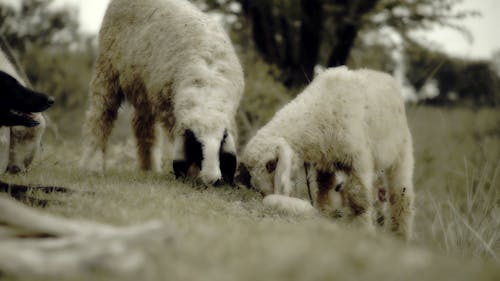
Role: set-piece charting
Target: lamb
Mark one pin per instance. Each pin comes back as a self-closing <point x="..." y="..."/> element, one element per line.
<point x="177" y="67"/>
<point x="348" y="125"/>
<point x="20" y="144"/>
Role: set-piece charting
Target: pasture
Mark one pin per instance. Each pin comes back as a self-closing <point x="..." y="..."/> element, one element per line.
<point x="227" y="234"/>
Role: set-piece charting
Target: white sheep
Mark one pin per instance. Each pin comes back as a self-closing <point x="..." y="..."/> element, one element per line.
<point x="177" y="67"/>
<point x="18" y="145"/>
<point x="347" y="125"/>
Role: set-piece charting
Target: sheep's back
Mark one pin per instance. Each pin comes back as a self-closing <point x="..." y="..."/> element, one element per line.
<point x="340" y="112"/>
<point x="162" y="43"/>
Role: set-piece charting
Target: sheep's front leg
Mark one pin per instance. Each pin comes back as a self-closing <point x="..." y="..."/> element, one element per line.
<point x="359" y="190"/>
<point x="180" y="165"/>
<point x="105" y="99"/>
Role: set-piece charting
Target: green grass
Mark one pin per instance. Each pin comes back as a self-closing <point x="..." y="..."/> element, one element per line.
<point x="227" y="234"/>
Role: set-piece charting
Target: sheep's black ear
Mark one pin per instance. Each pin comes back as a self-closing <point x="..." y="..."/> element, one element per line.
<point x="227" y="160"/>
<point x="192" y="148"/>
<point x="180" y="168"/>
<point x="244" y="176"/>
<point x="227" y="166"/>
<point x="324" y="180"/>
<point x="271" y="165"/>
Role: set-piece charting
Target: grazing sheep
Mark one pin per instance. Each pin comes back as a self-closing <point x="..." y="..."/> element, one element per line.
<point x="19" y="144"/>
<point x="348" y="125"/>
<point x="177" y="67"/>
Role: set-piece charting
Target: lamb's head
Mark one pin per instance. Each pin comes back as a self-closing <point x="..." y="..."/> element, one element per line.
<point x="208" y="156"/>
<point x="268" y="165"/>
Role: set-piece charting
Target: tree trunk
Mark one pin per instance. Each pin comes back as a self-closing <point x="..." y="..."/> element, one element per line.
<point x="302" y="72"/>
<point x="347" y="29"/>
<point x="259" y="12"/>
<point x="346" y="35"/>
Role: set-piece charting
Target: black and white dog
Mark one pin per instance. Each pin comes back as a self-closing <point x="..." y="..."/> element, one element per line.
<point x="21" y="123"/>
<point x="18" y="103"/>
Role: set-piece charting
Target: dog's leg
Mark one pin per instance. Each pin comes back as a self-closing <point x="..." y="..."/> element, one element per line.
<point x="105" y="100"/>
<point x="24" y="144"/>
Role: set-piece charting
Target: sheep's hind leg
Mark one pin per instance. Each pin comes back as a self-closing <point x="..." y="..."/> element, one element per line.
<point x="105" y="100"/>
<point x="401" y="195"/>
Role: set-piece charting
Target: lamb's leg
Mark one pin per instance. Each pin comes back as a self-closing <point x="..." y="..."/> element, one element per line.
<point x="324" y="181"/>
<point x="105" y="99"/>
<point x="359" y="193"/>
<point x="144" y="129"/>
<point x="401" y="195"/>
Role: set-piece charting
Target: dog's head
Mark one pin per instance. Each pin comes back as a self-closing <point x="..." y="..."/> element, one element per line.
<point x="18" y="102"/>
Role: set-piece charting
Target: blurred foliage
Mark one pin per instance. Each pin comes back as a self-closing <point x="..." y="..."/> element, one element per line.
<point x="459" y="80"/>
<point x="57" y="59"/>
<point x="263" y="96"/>
<point x="37" y="23"/>
<point x="61" y="72"/>
<point x="297" y="35"/>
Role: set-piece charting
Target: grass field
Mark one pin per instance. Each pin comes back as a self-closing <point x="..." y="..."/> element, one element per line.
<point x="227" y="234"/>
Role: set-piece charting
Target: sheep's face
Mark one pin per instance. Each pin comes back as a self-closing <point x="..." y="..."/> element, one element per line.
<point x="210" y="157"/>
<point x="271" y="169"/>
<point x="259" y="176"/>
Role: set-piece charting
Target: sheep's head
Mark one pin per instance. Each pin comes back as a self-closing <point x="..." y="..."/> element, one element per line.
<point x="268" y="167"/>
<point x="259" y="176"/>
<point x="210" y="157"/>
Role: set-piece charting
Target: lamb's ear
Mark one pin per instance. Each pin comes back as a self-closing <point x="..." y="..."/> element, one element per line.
<point x="282" y="176"/>
<point x="244" y="176"/>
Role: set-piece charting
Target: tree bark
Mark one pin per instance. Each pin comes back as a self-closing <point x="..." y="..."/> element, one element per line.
<point x="310" y="40"/>
<point x="347" y="29"/>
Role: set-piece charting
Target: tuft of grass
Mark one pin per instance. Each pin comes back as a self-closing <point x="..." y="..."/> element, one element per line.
<point x="467" y="223"/>
<point x="457" y="165"/>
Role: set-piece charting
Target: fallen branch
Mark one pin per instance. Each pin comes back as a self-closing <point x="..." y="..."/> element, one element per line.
<point x="36" y="244"/>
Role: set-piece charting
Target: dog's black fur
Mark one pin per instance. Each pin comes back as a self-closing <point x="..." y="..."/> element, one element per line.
<point x="17" y="102"/>
<point x="16" y="105"/>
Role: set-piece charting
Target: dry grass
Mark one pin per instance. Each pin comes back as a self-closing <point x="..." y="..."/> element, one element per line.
<point x="227" y="234"/>
<point x="457" y="180"/>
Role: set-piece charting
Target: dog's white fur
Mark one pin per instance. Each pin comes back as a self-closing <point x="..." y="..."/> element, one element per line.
<point x="176" y="66"/>
<point x="355" y="118"/>
<point x="18" y="145"/>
